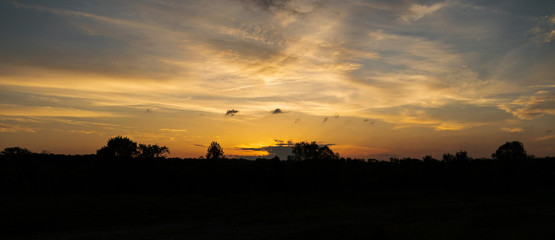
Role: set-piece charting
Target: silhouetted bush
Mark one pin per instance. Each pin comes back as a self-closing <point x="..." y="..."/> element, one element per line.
<point x="214" y="151"/>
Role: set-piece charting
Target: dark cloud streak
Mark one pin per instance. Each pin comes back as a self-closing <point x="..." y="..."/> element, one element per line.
<point x="272" y="6"/>
<point x="281" y="148"/>
<point x="231" y="112"/>
<point x="267" y="5"/>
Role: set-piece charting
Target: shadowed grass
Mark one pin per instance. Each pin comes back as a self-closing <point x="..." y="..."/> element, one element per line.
<point x="394" y="215"/>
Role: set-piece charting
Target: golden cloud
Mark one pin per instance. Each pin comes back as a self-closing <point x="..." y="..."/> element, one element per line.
<point x="536" y="106"/>
<point x="512" y="130"/>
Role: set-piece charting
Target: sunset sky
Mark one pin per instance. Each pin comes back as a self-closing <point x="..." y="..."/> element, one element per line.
<point x="372" y="79"/>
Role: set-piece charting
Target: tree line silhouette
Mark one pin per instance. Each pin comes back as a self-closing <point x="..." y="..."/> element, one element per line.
<point x="123" y="147"/>
<point x="124" y="166"/>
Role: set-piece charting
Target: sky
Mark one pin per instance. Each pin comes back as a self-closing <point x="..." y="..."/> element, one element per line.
<point x="370" y="79"/>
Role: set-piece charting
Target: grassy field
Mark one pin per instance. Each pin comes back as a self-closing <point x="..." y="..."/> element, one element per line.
<point x="385" y="215"/>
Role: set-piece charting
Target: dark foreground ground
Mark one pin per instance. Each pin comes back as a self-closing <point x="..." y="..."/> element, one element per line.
<point x="86" y="197"/>
<point x="384" y="215"/>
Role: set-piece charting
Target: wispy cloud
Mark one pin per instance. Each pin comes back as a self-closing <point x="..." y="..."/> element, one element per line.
<point x="287" y="6"/>
<point x="46" y="111"/>
<point x="513" y="129"/>
<point x="173" y="130"/>
<point x="539" y="104"/>
<point x="544" y="31"/>
<point x="77" y="14"/>
<point x="418" y="11"/>
<point x="8" y="128"/>
<point x="545" y="138"/>
<point x="87" y="132"/>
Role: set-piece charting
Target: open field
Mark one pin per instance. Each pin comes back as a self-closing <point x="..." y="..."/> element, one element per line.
<point x="81" y="197"/>
<point x="393" y="215"/>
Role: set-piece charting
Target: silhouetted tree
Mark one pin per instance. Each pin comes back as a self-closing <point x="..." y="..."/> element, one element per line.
<point x="326" y="153"/>
<point x="461" y="156"/>
<point x="14" y="152"/>
<point x="152" y="151"/>
<point x="510" y="151"/>
<point x="448" y="157"/>
<point x="120" y="147"/>
<point x="394" y="160"/>
<point x="311" y="151"/>
<point x="214" y="151"/>
<point x="305" y="151"/>
<point x="428" y="159"/>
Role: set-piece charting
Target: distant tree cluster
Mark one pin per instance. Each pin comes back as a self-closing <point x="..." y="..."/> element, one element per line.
<point x="14" y="152"/>
<point x="303" y="151"/>
<point x="461" y="156"/>
<point x="123" y="147"/>
<point x="310" y="168"/>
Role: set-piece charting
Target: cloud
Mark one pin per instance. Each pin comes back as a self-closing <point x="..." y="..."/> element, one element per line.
<point x="304" y="62"/>
<point x="289" y="6"/>
<point x="9" y="128"/>
<point x="93" y="42"/>
<point x="48" y="111"/>
<point x="267" y="5"/>
<point x="277" y="111"/>
<point x="87" y="123"/>
<point x="418" y="11"/>
<point x="77" y="14"/>
<point x="173" y="130"/>
<point x="453" y="126"/>
<point x="536" y="106"/>
<point x="513" y="130"/>
<point x="549" y="137"/>
<point x="87" y="132"/>
<point x="280" y="148"/>
<point x="451" y="117"/>
<point x="544" y="31"/>
<point x="231" y="112"/>
<point x="369" y="121"/>
<point x="282" y="143"/>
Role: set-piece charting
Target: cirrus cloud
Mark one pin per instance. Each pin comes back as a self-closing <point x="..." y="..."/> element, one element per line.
<point x="535" y="106"/>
